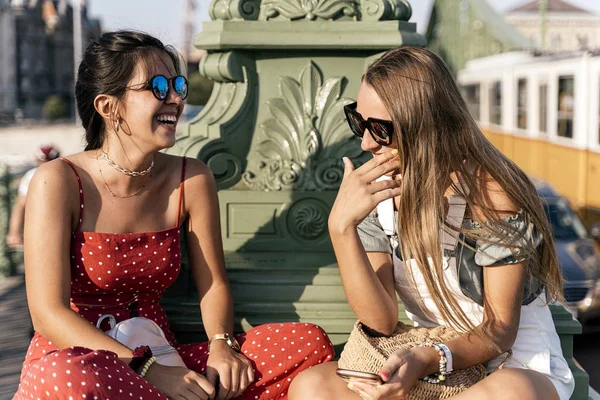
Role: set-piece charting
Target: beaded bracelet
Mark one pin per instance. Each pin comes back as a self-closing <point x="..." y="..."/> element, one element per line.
<point x="147" y="366"/>
<point x="443" y="371"/>
<point x="140" y="356"/>
<point x="448" y="355"/>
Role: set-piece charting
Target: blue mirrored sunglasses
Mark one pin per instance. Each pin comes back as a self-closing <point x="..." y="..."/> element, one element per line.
<point x="159" y="84"/>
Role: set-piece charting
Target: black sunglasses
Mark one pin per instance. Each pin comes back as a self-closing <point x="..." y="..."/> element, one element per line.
<point x="381" y="130"/>
<point x="159" y="85"/>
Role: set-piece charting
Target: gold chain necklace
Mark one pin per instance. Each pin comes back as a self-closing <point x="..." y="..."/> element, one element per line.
<point x="126" y="171"/>
<point x="113" y="194"/>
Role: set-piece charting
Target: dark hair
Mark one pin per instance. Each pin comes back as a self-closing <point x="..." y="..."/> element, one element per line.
<point x="107" y="67"/>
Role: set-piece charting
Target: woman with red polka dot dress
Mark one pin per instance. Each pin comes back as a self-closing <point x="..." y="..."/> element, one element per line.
<point x="114" y="248"/>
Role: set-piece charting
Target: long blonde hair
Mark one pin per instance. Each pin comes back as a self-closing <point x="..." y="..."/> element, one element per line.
<point x="436" y="136"/>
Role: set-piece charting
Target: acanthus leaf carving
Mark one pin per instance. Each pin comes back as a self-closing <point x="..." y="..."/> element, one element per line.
<point x="302" y="144"/>
<point x="309" y="9"/>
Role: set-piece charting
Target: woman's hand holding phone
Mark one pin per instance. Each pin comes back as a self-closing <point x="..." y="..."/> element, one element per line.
<point x="400" y="372"/>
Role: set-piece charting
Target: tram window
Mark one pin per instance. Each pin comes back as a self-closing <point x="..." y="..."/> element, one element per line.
<point x="543" y="106"/>
<point x="566" y="102"/>
<point x="522" y="104"/>
<point x="496" y="103"/>
<point x="472" y="98"/>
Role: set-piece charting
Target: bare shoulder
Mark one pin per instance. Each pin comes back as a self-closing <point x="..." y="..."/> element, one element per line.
<point x="198" y="169"/>
<point x="199" y="181"/>
<point x="193" y="167"/>
<point x="494" y="198"/>
<point x="54" y="177"/>
<point x="54" y="187"/>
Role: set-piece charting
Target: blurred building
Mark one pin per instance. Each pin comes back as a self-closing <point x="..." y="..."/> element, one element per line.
<point x="563" y="26"/>
<point x="36" y="55"/>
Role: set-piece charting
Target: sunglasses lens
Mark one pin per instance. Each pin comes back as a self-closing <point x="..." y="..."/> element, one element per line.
<point x="355" y="124"/>
<point x="160" y="87"/>
<point x="181" y="86"/>
<point x="382" y="131"/>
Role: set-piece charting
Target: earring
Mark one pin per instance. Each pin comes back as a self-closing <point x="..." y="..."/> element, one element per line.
<point x="117" y="126"/>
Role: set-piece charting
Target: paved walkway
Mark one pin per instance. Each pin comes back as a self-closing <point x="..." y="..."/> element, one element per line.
<point x="14" y="334"/>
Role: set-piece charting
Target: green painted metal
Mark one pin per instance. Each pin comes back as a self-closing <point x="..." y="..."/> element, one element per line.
<point x="567" y="328"/>
<point x="462" y="30"/>
<point x="273" y="133"/>
<point x="543" y="21"/>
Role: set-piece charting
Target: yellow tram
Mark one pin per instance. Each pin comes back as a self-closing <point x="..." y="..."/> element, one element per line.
<point x="543" y="112"/>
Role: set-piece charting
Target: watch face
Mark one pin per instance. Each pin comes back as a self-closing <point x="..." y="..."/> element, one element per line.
<point x="229" y="339"/>
<point x="233" y="343"/>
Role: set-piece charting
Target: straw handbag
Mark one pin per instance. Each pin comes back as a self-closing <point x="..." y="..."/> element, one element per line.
<point x="368" y="354"/>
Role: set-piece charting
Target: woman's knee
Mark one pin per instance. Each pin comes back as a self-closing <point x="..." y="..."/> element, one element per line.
<point x="513" y="384"/>
<point x="526" y="384"/>
<point x="75" y="370"/>
<point x="311" y="340"/>
<point x="320" y="344"/>
<point x="314" y="383"/>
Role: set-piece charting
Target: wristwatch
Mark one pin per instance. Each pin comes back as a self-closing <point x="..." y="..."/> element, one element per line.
<point x="230" y="340"/>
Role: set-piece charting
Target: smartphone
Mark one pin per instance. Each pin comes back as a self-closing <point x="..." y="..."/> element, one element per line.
<point x="366" y="377"/>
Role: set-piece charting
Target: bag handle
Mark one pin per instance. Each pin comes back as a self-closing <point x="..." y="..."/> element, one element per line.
<point x="112" y="321"/>
<point x="508" y="357"/>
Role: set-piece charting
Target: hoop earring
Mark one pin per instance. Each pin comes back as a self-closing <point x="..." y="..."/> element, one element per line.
<point x="117" y="126"/>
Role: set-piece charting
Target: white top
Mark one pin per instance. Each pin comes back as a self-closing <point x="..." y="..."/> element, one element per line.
<point x="537" y="345"/>
<point x="25" y="181"/>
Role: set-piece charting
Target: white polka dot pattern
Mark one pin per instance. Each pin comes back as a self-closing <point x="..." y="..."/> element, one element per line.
<point x="125" y="275"/>
<point x="278" y="353"/>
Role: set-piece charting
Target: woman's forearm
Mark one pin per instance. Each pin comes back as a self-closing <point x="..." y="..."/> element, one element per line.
<point x="217" y="310"/>
<point x="471" y="349"/>
<point x="369" y="299"/>
<point x="65" y="328"/>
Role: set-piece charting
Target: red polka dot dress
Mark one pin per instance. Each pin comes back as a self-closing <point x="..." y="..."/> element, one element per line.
<point x="125" y="275"/>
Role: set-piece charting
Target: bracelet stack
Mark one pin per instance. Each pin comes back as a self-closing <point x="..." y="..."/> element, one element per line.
<point x="445" y="366"/>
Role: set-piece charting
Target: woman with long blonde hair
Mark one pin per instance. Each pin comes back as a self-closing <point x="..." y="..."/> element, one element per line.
<point x="468" y="220"/>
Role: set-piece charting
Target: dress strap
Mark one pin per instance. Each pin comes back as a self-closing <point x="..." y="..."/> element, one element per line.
<point x="181" y="191"/>
<point x="70" y="164"/>
<point x="457" y="206"/>
<point x="456" y="213"/>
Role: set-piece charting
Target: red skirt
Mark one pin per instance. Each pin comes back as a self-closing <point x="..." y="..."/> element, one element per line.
<point x="278" y="353"/>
